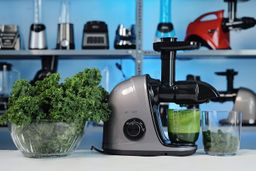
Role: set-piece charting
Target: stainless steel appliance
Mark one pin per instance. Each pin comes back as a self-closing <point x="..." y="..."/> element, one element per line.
<point x="135" y="126"/>
<point x="37" y="35"/>
<point x="10" y="37"/>
<point x="65" y="38"/>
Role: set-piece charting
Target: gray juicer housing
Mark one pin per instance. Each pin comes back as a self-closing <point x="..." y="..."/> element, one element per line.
<point x="135" y="126"/>
<point x="244" y="99"/>
<point x="131" y="129"/>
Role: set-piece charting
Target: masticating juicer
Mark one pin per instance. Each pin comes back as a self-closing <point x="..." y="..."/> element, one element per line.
<point x="212" y="29"/>
<point x="135" y="126"/>
<point x="244" y="99"/>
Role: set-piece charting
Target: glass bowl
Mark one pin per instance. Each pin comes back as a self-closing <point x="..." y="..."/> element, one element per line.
<point x="183" y="126"/>
<point x="221" y="132"/>
<point x="47" y="139"/>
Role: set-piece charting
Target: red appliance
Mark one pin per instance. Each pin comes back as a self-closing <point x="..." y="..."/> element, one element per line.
<point x="212" y="29"/>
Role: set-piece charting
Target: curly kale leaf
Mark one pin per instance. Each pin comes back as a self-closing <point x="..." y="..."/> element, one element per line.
<point x="85" y="85"/>
<point x="24" y="111"/>
<point x="78" y="99"/>
<point x="87" y="78"/>
<point x="20" y="88"/>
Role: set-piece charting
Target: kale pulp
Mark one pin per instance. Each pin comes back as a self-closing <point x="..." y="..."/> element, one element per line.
<point x="220" y="142"/>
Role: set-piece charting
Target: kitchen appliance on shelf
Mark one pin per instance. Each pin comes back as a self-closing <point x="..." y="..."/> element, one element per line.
<point x="165" y="27"/>
<point x="7" y="78"/>
<point x="125" y="37"/>
<point x="212" y="29"/>
<point x="135" y="127"/>
<point x="37" y="34"/>
<point x="244" y="99"/>
<point x="10" y="38"/>
<point x="65" y="38"/>
<point x="95" y="35"/>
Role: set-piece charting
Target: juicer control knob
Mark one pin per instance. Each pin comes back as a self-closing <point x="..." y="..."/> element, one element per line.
<point x="134" y="129"/>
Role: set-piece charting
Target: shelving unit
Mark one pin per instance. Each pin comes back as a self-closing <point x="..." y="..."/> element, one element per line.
<point x="68" y="54"/>
<point x="135" y="54"/>
<point x="138" y="55"/>
<point x="207" y="54"/>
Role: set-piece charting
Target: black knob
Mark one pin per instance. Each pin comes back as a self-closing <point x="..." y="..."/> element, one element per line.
<point x="134" y="129"/>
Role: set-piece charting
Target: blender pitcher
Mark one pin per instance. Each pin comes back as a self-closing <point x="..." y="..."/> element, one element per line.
<point x="37" y="34"/>
<point x="65" y="35"/>
<point x="7" y="78"/>
<point x="165" y="27"/>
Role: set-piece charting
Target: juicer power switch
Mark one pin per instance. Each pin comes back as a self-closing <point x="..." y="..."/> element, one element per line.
<point x="134" y="129"/>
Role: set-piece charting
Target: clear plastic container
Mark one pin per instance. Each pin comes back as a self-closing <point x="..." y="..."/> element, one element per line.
<point x="47" y="139"/>
<point x="221" y="132"/>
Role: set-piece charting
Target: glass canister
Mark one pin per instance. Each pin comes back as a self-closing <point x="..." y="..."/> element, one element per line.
<point x="183" y="126"/>
<point x="221" y="132"/>
<point x="7" y="78"/>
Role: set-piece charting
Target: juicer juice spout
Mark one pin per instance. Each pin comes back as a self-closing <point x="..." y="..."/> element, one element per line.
<point x="180" y="92"/>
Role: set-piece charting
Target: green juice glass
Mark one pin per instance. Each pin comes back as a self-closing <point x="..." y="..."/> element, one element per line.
<point x="183" y="126"/>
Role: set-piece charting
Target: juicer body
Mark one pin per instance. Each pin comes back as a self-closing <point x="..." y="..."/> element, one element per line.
<point x="245" y="103"/>
<point x="135" y="126"/>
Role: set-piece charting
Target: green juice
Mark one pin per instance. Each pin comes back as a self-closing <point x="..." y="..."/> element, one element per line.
<point x="183" y="126"/>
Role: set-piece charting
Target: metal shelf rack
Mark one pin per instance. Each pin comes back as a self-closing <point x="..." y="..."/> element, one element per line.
<point x="54" y="55"/>
<point x="207" y="54"/>
<point x="68" y="54"/>
<point x="138" y="55"/>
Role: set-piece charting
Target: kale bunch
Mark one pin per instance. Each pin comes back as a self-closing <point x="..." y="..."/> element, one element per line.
<point x="78" y="99"/>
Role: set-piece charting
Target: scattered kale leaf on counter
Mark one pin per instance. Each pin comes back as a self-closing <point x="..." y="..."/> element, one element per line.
<point x="78" y="99"/>
<point x="220" y="142"/>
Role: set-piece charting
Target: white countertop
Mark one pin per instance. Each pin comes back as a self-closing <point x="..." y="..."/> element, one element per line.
<point x="86" y="160"/>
